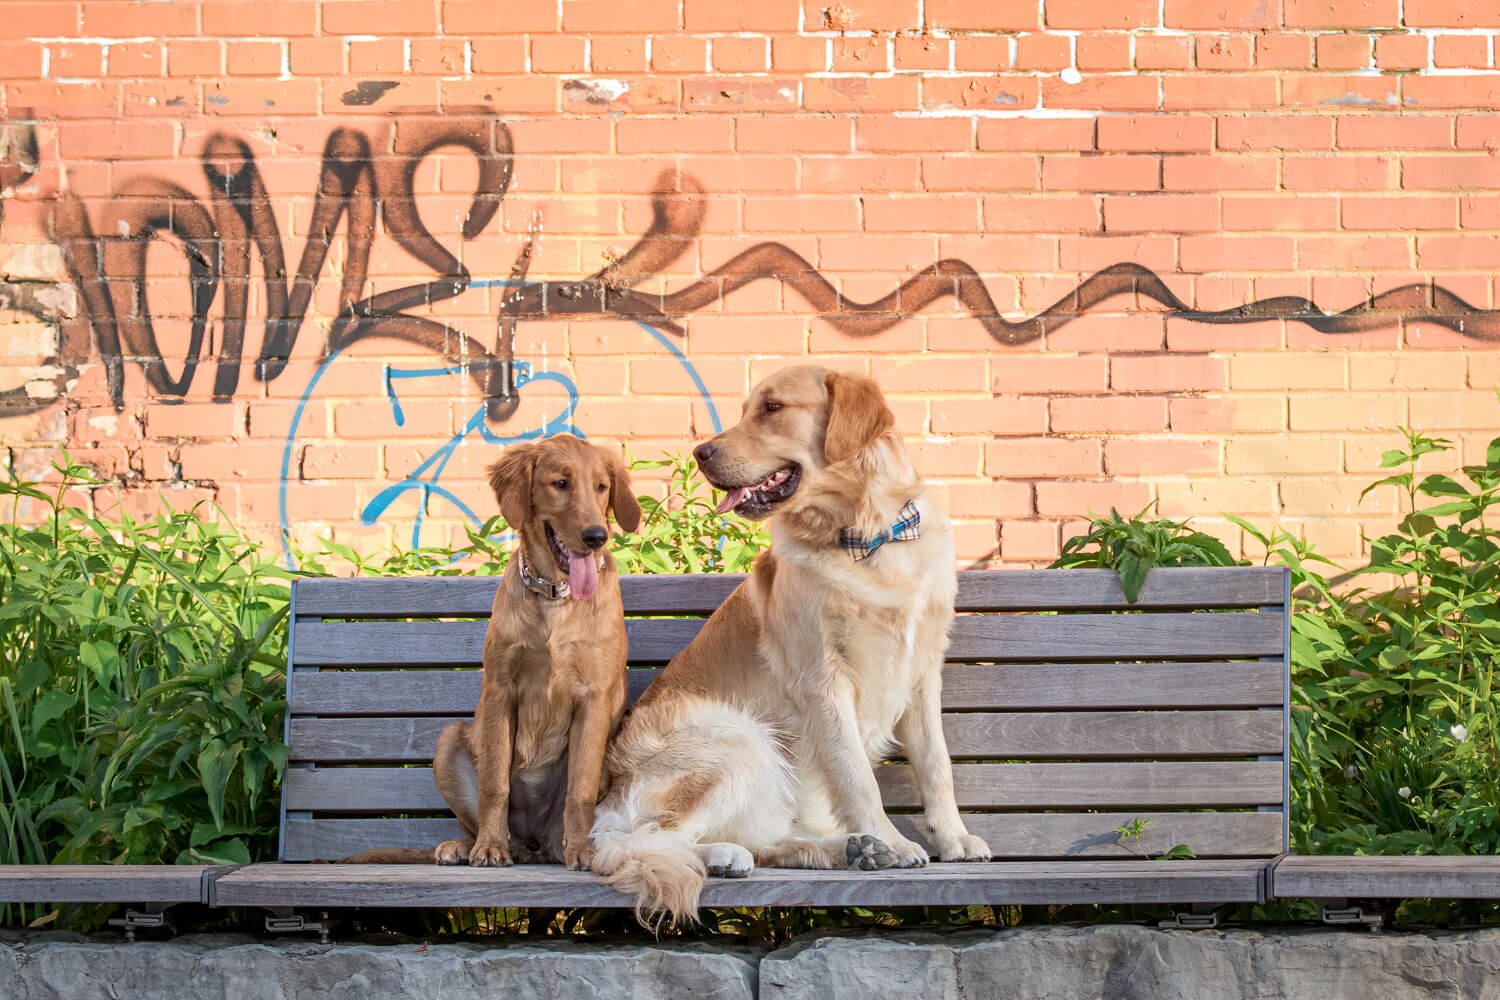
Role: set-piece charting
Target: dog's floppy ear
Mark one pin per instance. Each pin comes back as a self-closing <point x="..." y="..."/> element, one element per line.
<point x="857" y="415"/>
<point x="621" y="493"/>
<point x="510" y="478"/>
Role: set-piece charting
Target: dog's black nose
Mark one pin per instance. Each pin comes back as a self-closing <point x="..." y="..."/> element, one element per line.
<point x="705" y="452"/>
<point x="595" y="536"/>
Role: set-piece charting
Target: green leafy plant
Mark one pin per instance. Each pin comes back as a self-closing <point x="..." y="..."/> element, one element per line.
<point x="682" y="534"/>
<point x="141" y="688"/>
<point x="1134" y="546"/>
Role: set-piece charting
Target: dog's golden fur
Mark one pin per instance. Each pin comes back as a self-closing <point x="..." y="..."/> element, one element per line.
<point x="523" y="778"/>
<point x="756" y="744"/>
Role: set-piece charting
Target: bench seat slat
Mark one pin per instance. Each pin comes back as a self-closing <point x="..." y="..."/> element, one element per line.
<point x="1019" y="637"/>
<point x="1007" y="736"/>
<point x="965" y="687"/>
<point x="982" y="590"/>
<point x="103" y="883"/>
<point x="939" y="885"/>
<point x="1350" y="877"/>
<point x="1012" y="836"/>
<point x="1226" y="784"/>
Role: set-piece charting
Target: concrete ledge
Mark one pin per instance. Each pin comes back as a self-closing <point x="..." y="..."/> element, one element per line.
<point x="1033" y="963"/>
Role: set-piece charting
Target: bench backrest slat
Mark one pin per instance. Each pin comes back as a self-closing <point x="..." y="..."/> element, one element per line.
<point x="1065" y="721"/>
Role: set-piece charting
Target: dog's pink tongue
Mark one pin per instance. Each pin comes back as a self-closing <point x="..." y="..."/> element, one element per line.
<point x="732" y="499"/>
<point x="583" y="576"/>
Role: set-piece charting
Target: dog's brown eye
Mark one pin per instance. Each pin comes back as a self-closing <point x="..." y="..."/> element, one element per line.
<point x="561" y="484"/>
<point x="600" y="488"/>
<point x="770" y="406"/>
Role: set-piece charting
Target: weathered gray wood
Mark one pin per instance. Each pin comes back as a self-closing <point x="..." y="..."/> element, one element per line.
<point x="1012" y="836"/>
<point x="1105" y="786"/>
<point x="936" y="885"/>
<point x="1350" y="877"/>
<point x="966" y="687"/>
<point x="1012" y="638"/>
<point x="1013" y="590"/>
<point x="102" y="883"/>
<point x="1005" y="736"/>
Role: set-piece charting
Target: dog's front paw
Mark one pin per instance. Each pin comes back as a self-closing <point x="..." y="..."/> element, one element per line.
<point x="578" y="857"/>
<point x="726" y="860"/>
<point x="489" y="853"/>
<point x="452" y="852"/>
<point x="909" y="853"/>
<point x="964" y="847"/>
<point x="868" y="853"/>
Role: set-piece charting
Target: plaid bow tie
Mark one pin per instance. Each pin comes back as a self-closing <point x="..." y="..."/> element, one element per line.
<point x="908" y="527"/>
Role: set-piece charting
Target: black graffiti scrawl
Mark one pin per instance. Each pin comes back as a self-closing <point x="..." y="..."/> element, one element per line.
<point x="220" y="237"/>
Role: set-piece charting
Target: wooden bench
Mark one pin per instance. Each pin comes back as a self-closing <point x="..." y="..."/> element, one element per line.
<point x="1067" y="721"/>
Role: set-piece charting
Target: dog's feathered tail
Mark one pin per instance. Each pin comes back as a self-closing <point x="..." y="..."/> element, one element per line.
<point x="391" y="856"/>
<point x="660" y="868"/>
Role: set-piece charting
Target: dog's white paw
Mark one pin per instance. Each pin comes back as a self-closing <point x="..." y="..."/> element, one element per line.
<point x="726" y="860"/>
<point x="909" y="853"/>
<point x="964" y="847"/>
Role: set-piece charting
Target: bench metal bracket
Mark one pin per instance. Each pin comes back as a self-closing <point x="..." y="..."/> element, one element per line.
<point x="1342" y="913"/>
<point x="1198" y="917"/>
<point x="283" y="921"/>
<point x="152" y="918"/>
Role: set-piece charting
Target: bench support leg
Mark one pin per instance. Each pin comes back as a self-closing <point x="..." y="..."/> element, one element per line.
<point x="1343" y="913"/>
<point x="1197" y="917"/>
<point x="151" y="916"/>
<point x="282" y="920"/>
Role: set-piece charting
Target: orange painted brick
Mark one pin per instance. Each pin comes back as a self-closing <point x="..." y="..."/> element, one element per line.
<point x="1103" y="93"/>
<point x="133" y="141"/>
<point x="1168" y="373"/>
<point x="1242" y="414"/>
<point x="1225" y="52"/>
<point x="1108" y="332"/>
<point x="478" y="17"/>
<point x="1343" y="51"/>
<point x="1159" y="457"/>
<point x="928" y="53"/>
<point x="1114" y="414"/>
<point x="1346" y="411"/>
<point x="49" y="18"/>
<point x="1043" y="457"/>
<point x="740" y="94"/>
<point x="1254" y="214"/>
<point x="967" y="172"/>
<point x="990" y="92"/>
<point x="1045" y="373"/>
<point x="1396" y="132"/>
<point x="948" y="213"/>
<point x="441" y="56"/>
<point x="861" y="54"/>
<point x="194" y="57"/>
<point x="1276" y="132"/>
<point x="1112" y="173"/>
<point x="930" y="374"/>
<point x="1237" y="253"/>
<point x="20" y="60"/>
<point x="1043" y="52"/>
<point x="766" y="15"/>
<point x="1222" y="16"/>
<point x="1409" y="370"/>
<point x="845" y="174"/>
<point x="1100" y="14"/>
<point x="107" y="19"/>
<point x="1219" y="173"/>
<point x="345" y="460"/>
<point x="867" y="15"/>
<point x="578" y="135"/>
<point x="684" y="135"/>
<point x="395" y="17"/>
<point x="802" y="215"/>
<point x="1032" y="214"/>
<point x="984" y="498"/>
<point x="1312" y="371"/>
<point x="1339" y="173"/>
<point x="741" y="55"/>
<point x="601" y="17"/>
<point x="1171" y="213"/>
<point x="71" y="61"/>
<point x="981" y="15"/>
<point x="1079" y="498"/>
<point x="843" y="93"/>
<point x="1398" y="52"/>
<point x="1004" y="415"/>
<point x="792" y="54"/>
<point x="798" y="135"/>
<point x="254" y="58"/>
<point x="1281" y="456"/>
<point x="376" y="55"/>
<point x="679" y="55"/>
<point x="1102" y="51"/>
<point x="1397" y="212"/>
<point x="192" y="420"/>
<point x="1461" y="91"/>
<point x="1025" y="541"/>
<point x="1222" y="92"/>
<point x="305" y="56"/>
<point x="1458" y="252"/>
<point x="913" y="134"/>
<point x="1358" y="252"/>
<point x="1283" y="51"/>
<point x="559" y="54"/>
<point x="1450" y="14"/>
<point x="264" y="17"/>
<point x="1163" y="52"/>
<point x="1035" y="135"/>
<point x="1361" y="14"/>
<point x="1156" y="133"/>
<point x="1461" y="51"/>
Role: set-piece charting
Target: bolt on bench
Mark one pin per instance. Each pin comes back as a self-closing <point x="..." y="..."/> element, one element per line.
<point x="1066" y="721"/>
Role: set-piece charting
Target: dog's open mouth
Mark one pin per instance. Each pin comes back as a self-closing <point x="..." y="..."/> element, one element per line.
<point x="581" y="568"/>
<point x="757" y="499"/>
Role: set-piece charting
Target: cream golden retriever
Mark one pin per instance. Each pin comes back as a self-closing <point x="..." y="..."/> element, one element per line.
<point x="756" y="744"/>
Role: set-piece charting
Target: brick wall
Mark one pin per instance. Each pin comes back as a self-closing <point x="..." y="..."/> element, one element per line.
<point x="1097" y="252"/>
